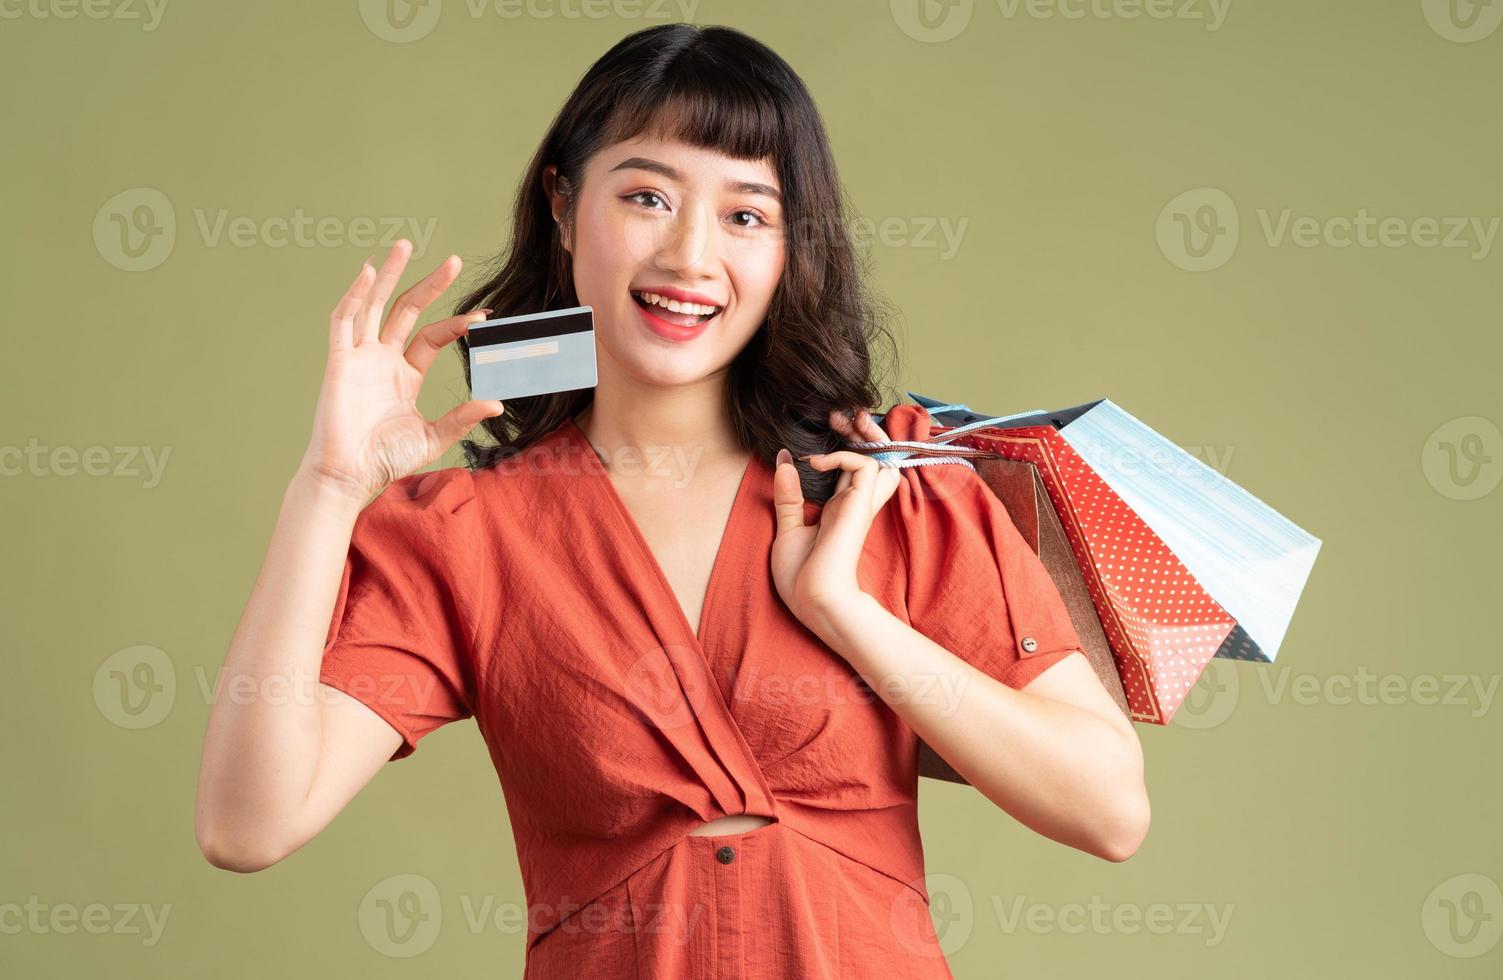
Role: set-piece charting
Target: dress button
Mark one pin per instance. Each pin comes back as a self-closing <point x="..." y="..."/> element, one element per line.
<point x="726" y="854"/>
<point x="1030" y="644"/>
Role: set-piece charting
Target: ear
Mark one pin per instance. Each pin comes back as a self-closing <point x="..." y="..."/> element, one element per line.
<point x="557" y="191"/>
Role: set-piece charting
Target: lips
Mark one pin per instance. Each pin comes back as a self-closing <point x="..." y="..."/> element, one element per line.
<point x="677" y="294"/>
<point x="684" y="320"/>
<point x="680" y="329"/>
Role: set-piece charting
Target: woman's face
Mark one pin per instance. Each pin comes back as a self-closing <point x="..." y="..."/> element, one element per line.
<point x="688" y="225"/>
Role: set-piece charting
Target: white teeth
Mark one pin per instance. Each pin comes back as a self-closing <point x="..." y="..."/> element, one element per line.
<point x="695" y="309"/>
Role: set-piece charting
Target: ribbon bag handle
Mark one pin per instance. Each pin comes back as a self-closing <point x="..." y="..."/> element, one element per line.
<point x="935" y="451"/>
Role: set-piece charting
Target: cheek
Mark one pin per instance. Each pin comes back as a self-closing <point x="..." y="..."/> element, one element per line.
<point x="610" y="244"/>
<point x="636" y="239"/>
<point x="758" y="269"/>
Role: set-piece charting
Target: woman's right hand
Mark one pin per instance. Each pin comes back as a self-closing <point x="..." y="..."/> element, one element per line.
<point x="367" y="430"/>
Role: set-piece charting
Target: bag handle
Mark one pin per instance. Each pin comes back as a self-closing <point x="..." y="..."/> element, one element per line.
<point x="934" y="451"/>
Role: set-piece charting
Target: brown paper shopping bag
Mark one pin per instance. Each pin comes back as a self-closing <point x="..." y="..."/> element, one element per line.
<point x="1018" y="486"/>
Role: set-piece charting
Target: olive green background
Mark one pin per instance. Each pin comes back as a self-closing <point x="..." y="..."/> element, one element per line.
<point x="1333" y="810"/>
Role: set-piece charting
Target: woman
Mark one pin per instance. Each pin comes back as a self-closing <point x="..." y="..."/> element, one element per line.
<point x="701" y="672"/>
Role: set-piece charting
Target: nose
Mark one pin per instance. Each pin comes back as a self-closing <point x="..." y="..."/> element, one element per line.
<point x="689" y="247"/>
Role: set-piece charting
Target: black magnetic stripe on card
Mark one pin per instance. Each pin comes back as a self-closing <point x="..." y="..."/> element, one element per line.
<point x="529" y="328"/>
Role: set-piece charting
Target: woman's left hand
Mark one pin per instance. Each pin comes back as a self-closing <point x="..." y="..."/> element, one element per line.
<point x="814" y="566"/>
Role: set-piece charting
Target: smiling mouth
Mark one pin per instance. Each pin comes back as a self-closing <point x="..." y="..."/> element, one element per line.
<point x="677" y="318"/>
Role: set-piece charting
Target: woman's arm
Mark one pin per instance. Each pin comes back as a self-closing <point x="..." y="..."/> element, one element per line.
<point x="1059" y="756"/>
<point x="283" y="754"/>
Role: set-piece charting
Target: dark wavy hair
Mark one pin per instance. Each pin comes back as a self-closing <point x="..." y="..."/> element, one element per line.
<point x="716" y="88"/>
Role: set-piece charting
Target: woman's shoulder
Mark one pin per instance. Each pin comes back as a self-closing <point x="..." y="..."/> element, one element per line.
<point x="939" y="510"/>
<point x="441" y="491"/>
<point x="454" y="490"/>
<point x="906" y="422"/>
<point x="940" y="492"/>
<point x="418" y="514"/>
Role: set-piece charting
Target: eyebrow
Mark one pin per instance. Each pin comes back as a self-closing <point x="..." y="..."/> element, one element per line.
<point x="739" y="186"/>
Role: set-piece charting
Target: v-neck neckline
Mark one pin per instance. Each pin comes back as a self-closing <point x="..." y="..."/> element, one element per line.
<point x="644" y="550"/>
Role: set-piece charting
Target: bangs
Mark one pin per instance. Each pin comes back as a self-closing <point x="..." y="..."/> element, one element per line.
<point x="704" y="106"/>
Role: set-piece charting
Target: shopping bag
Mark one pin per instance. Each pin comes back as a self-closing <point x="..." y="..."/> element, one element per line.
<point x="1021" y="492"/>
<point x="1181" y="564"/>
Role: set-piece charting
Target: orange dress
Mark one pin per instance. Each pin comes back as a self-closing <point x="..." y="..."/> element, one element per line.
<point x="525" y="596"/>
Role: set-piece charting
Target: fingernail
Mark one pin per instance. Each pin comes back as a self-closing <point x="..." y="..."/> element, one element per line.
<point x="784" y="456"/>
<point x="367" y="261"/>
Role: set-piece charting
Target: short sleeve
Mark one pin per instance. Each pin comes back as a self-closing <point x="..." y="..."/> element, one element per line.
<point x="974" y="585"/>
<point x="400" y="636"/>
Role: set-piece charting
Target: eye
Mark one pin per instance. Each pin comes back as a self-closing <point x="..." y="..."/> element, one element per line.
<point x="637" y="197"/>
<point x="633" y="197"/>
<point x="762" y="222"/>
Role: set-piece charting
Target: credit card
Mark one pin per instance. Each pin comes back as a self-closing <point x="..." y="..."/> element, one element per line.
<point x="533" y="354"/>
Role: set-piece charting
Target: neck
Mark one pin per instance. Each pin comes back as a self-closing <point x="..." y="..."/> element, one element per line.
<point x="662" y="432"/>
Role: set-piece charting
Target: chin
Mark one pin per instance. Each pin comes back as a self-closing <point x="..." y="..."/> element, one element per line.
<point x="651" y="360"/>
<point x="667" y="367"/>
